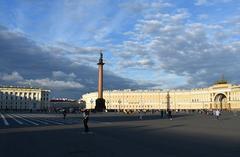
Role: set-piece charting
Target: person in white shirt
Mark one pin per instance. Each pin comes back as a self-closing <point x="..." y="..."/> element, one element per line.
<point x="217" y="114"/>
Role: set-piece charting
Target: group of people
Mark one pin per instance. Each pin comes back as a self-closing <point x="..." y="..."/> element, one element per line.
<point x="167" y="112"/>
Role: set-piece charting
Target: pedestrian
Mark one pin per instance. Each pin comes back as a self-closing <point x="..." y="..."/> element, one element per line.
<point x="217" y="113"/>
<point x="140" y="115"/>
<point x="170" y="114"/>
<point x="64" y="113"/>
<point x="161" y="113"/>
<point x="214" y="113"/>
<point x="85" y="120"/>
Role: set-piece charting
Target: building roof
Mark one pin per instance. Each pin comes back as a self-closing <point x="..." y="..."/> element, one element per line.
<point x="62" y="100"/>
<point x="22" y="87"/>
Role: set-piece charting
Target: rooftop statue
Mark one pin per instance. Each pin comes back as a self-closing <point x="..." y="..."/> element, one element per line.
<point x="222" y="81"/>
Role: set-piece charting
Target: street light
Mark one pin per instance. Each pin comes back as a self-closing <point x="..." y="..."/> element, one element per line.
<point x="107" y="104"/>
<point x="119" y="101"/>
<point x="91" y="101"/>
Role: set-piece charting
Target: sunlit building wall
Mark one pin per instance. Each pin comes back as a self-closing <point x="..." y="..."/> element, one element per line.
<point x="23" y="98"/>
<point x="219" y="96"/>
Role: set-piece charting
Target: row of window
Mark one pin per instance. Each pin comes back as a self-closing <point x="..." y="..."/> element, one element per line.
<point x="17" y="103"/>
<point x="13" y="107"/>
<point x="16" y="98"/>
<point x="20" y="93"/>
<point x="21" y="98"/>
<point x="16" y="93"/>
<point x="121" y="107"/>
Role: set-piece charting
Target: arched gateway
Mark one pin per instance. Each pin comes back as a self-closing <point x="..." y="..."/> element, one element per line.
<point x="220" y="101"/>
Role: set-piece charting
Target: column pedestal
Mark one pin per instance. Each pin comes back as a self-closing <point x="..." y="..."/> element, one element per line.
<point x="100" y="105"/>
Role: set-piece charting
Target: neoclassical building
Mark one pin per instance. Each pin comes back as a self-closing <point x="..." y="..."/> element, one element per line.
<point x="221" y="95"/>
<point x="23" y="98"/>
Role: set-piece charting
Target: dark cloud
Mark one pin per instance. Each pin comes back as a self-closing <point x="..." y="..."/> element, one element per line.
<point x="37" y="64"/>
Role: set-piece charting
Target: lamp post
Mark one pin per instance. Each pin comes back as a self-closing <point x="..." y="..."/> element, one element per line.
<point x="119" y="101"/>
<point x="168" y="101"/>
<point x="107" y="104"/>
<point x="91" y="101"/>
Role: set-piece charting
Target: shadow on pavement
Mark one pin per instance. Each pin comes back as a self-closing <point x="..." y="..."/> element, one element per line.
<point x="122" y="118"/>
<point x="141" y="140"/>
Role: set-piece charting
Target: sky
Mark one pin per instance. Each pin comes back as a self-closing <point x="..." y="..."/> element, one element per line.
<point x="147" y="44"/>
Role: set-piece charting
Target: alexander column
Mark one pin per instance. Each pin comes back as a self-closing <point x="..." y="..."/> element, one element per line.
<point x="100" y="102"/>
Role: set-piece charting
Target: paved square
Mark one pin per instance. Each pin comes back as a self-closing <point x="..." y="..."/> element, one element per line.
<point x="123" y="135"/>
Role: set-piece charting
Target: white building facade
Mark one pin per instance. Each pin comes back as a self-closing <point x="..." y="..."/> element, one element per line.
<point x="222" y="96"/>
<point x="23" y="98"/>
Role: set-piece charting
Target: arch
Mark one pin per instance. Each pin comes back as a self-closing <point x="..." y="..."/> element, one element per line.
<point x="220" y="101"/>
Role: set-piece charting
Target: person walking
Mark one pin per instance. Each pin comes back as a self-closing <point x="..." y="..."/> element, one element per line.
<point x="170" y="114"/>
<point x="161" y="113"/>
<point x="141" y="115"/>
<point x="217" y="113"/>
<point x="85" y="120"/>
<point x="64" y="113"/>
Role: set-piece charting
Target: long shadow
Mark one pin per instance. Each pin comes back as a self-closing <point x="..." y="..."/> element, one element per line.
<point x="122" y="118"/>
<point x="117" y="141"/>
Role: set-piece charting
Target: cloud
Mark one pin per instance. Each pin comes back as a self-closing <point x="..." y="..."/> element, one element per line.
<point x="30" y="63"/>
<point x="201" y="2"/>
<point x="210" y="2"/>
<point x="62" y="75"/>
<point x="52" y="84"/>
<point x="147" y="44"/>
<point x="14" y="76"/>
<point x="203" y="16"/>
<point x="185" y="49"/>
<point x="141" y="6"/>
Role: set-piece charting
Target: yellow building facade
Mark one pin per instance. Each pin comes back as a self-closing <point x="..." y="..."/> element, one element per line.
<point x="21" y="98"/>
<point x="219" y="96"/>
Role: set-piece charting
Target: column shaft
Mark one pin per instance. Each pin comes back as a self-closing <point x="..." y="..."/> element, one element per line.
<point x="100" y="81"/>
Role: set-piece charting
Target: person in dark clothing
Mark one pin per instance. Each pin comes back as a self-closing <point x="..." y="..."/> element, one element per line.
<point x="170" y="114"/>
<point x="85" y="120"/>
<point x="64" y="113"/>
<point x="161" y="113"/>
